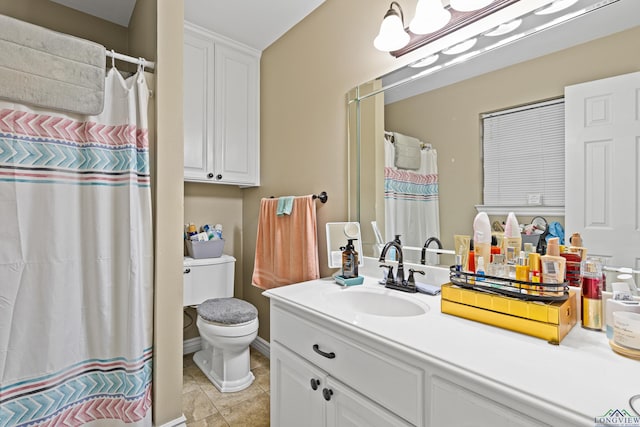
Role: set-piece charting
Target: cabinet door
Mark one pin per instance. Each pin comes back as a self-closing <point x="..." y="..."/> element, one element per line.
<point x="237" y="152"/>
<point x="198" y="67"/>
<point x="348" y="408"/>
<point x="453" y="405"/>
<point x="294" y="402"/>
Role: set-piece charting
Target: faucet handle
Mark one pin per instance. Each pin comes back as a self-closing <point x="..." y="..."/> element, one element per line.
<point x="411" y="279"/>
<point x="389" y="273"/>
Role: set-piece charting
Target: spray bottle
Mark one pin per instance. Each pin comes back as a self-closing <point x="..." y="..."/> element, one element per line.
<point x="350" y="261"/>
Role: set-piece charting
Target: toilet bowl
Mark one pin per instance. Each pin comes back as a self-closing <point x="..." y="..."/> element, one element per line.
<point x="227" y="325"/>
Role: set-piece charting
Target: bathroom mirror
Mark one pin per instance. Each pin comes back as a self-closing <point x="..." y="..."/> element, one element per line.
<point x="338" y="234"/>
<point x="443" y="108"/>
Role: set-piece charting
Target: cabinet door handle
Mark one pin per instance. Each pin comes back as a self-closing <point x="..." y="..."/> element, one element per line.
<point x="330" y="355"/>
<point x="209" y="175"/>
<point x="187" y="271"/>
<point x="315" y="383"/>
<point x="219" y="176"/>
<point x="327" y="393"/>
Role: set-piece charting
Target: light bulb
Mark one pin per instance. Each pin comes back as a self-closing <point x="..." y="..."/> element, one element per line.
<point x="392" y="35"/>
<point x="430" y="17"/>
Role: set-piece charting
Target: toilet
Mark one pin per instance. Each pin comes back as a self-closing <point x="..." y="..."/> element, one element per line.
<point x="227" y="325"/>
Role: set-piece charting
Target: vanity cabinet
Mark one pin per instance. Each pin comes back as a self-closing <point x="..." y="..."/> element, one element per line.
<point x="221" y="109"/>
<point x="319" y="378"/>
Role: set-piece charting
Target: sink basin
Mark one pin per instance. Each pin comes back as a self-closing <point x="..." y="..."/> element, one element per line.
<point x="384" y="303"/>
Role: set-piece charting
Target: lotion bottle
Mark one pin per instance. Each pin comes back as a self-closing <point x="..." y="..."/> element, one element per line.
<point x="482" y="237"/>
<point x="553" y="265"/>
<point x="512" y="236"/>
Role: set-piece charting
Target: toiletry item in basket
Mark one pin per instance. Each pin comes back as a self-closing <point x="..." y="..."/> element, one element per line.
<point x="461" y="245"/>
<point x="480" y="270"/>
<point x="512" y="236"/>
<point x="349" y="261"/>
<point x="522" y="272"/>
<point x="553" y="265"/>
<point x="482" y="238"/>
<point x="591" y="278"/>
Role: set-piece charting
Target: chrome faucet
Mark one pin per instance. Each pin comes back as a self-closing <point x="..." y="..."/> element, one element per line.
<point x="426" y="245"/>
<point x="399" y="283"/>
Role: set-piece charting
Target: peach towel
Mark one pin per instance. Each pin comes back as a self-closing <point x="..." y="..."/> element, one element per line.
<point x="286" y="246"/>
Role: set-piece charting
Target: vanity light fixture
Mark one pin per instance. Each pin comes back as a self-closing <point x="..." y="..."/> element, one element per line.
<point x="556" y="6"/>
<point x="460" y="47"/>
<point x="505" y="28"/>
<point x="424" y="62"/>
<point x="392" y="35"/>
<point x="469" y="5"/>
<point x="430" y="17"/>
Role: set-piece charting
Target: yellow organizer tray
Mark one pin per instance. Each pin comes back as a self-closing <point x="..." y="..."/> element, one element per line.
<point x="551" y="321"/>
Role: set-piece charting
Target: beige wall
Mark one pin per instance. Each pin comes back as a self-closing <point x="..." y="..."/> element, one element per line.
<point x="449" y="117"/>
<point x="305" y="76"/>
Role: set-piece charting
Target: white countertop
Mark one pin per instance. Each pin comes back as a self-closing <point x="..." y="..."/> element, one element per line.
<point x="582" y="374"/>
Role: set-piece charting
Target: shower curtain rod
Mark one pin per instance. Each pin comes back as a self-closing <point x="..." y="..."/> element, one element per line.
<point x="139" y="61"/>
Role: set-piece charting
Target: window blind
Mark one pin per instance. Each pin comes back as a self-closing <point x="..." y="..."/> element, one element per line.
<point x="523" y="155"/>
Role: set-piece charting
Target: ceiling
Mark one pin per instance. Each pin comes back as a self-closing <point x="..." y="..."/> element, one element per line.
<point x="256" y="23"/>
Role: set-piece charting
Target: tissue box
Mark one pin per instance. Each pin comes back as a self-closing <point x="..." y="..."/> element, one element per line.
<point x="209" y="249"/>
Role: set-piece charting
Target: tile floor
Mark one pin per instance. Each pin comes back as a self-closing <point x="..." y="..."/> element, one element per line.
<point x="204" y="406"/>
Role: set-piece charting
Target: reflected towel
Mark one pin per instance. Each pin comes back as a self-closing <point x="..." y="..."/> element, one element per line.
<point x="285" y="204"/>
<point x="407" y="151"/>
<point x="286" y="246"/>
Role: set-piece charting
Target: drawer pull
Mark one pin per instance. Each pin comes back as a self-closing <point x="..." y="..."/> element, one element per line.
<point x="315" y="383"/>
<point x="327" y="393"/>
<point x="330" y="355"/>
<point x="187" y="271"/>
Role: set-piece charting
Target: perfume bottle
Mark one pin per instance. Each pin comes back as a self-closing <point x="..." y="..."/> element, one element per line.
<point x="591" y="278"/>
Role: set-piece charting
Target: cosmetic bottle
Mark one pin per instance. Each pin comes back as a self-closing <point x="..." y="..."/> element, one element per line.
<point x="512" y="236"/>
<point x="482" y="237"/>
<point x="496" y="267"/>
<point x="480" y="270"/>
<point x="591" y="277"/>
<point x="522" y="272"/>
<point x="349" y="261"/>
<point x="553" y="265"/>
<point x="534" y="267"/>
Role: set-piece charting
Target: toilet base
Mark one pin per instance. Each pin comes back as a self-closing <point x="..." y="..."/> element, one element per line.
<point x="211" y="362"/>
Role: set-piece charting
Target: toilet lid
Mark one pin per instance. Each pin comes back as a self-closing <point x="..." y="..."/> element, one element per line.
<point x="228" y="311"/>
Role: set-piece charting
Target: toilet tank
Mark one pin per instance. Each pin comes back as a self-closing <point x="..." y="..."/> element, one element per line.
<point x="206" y="278"/>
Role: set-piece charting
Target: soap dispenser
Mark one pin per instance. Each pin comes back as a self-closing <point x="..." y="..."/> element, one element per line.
<point x="350" y="261"/>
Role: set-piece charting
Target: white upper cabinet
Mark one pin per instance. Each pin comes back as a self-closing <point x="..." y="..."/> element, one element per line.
<point x="221" y="109"/>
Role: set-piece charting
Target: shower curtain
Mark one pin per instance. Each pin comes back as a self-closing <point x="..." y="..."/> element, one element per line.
<point x="76" y="261"/>
<point x="411" y="199"/>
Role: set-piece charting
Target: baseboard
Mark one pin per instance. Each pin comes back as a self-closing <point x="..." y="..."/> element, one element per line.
<point x="191" y="345"/>
<point x="178" y="422"/>
<point x="262" y="346"/>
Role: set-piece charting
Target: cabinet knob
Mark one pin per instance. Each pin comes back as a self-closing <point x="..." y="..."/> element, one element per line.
<point x="315" y="383"/>
<point x="209" y="175"/>
<point x="330" y="355"/>
<point x="327" y="393"/>
<point x="219" y="176"/>
<point x="187" y="271"/>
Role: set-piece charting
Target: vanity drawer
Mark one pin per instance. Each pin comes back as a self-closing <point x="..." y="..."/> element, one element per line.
<point x="392" y="383"/>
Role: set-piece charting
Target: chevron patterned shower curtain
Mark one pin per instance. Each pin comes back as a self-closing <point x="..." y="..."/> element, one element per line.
<point x="76" y="282"/>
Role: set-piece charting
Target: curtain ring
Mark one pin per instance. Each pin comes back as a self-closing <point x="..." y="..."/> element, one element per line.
<point x="113" y="58"/>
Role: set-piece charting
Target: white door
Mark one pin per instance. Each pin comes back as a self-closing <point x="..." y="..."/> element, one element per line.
<point x="602" y="167"/>
<point x="237" y="116"/>
<point x="295" y="400"/>
<point x="198" y="106"/>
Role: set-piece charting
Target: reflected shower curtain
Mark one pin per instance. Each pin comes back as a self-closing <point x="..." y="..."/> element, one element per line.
<point x="76" y="261"/>
<point x="411" y="199"/>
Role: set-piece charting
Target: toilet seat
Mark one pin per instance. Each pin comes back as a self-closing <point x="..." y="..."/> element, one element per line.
<point x="227" y="311"/>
